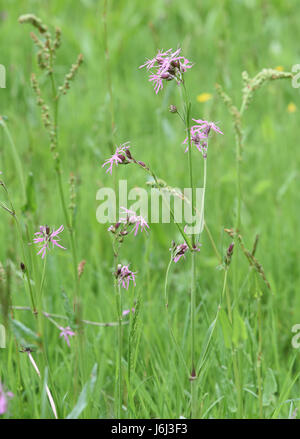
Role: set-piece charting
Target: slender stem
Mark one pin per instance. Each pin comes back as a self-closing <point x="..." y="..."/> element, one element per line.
<point x="228" y="304"/>
<point x="59" y="316"/>
<point x="259" y="353"/>
<point x="16" y="156"/>
<point x="120" y="347"/>
<point x="204" y="190"/>
<point x="70" y="228"/>
<point x="40" y="299"/>
<point x="26" y="266"/>
<point x="177" y="346"/>
<point x="193" y="328"/>
<point x="118" y="298"/>
<point x="43" y="278"/>
<point x="187" y="126"/>
<point x="212" y="242"/>
<point x="193" y="265"/>
<point x="224" y="285"/>
<point x="214" y="322"/>
<point x="185" y="237"/>
<point x="238" y="176"/>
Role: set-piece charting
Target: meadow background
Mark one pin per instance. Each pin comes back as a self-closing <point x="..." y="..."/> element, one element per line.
<point x="223" y="39"/>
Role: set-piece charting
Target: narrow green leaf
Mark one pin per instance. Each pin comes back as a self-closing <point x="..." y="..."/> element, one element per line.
<point x="85" y="395"/>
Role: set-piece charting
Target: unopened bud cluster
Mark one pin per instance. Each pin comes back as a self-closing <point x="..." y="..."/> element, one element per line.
<point x="119" y="229"/>
<point x="228" y="255"/>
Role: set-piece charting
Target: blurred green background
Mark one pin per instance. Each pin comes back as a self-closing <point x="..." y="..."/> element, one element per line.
<point x="223" y="39"/>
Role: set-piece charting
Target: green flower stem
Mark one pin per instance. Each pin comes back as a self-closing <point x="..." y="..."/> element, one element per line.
<point x="120" y="348"/>
<point x="177" y="346"/>
<point x="193" y="376"/>
<point x="118" y="298"/>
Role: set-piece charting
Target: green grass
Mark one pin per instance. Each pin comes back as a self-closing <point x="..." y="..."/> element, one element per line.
<point x="223" y="40"/>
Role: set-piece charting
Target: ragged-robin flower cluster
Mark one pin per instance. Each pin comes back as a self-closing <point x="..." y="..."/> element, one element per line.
<point x="180" y="250"/>
<point x="124" y="275"/>
<point x="199" y="134"/>
<point x="166" y="66"/>
<point x="45" y="237"/>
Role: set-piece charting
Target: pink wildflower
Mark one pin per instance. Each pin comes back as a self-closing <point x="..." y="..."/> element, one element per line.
<point x="132" y="218"/>
<point x="124" y="276"/>
<point x="199" y="135"/>
<point x="127" y="311"/>
<point x="180" y="250"/>
<point x="66" y="333"/>
<point x="45" y="237"/>
<point x="4" y="396"/>
<point x="166" y="66"/>
<point x="120" y="156"/>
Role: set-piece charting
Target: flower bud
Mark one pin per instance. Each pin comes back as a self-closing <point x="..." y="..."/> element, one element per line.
<point x="175" y="63"/>
<point x="128" y="154"/>
<point x="122" y="157"/>
<point x="173" y="109"/>
<point x="23" y="268"/>
<point x="229" y="253"/>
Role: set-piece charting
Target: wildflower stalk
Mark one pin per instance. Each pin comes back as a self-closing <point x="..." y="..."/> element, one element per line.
<point x="193" y="327"/>
<point x="187" y="126"/>
<point x="43" y="278"/>
<point x="120" y="348"/>
<point x="203" y="197"/>
<point x="118" y="298"/>
<point x="150" y="172"/>
<point x="183" y="234"/>
<point x="193" y="264"/>
<point x="40" y="299"/>
<point x="176" y="345"/>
